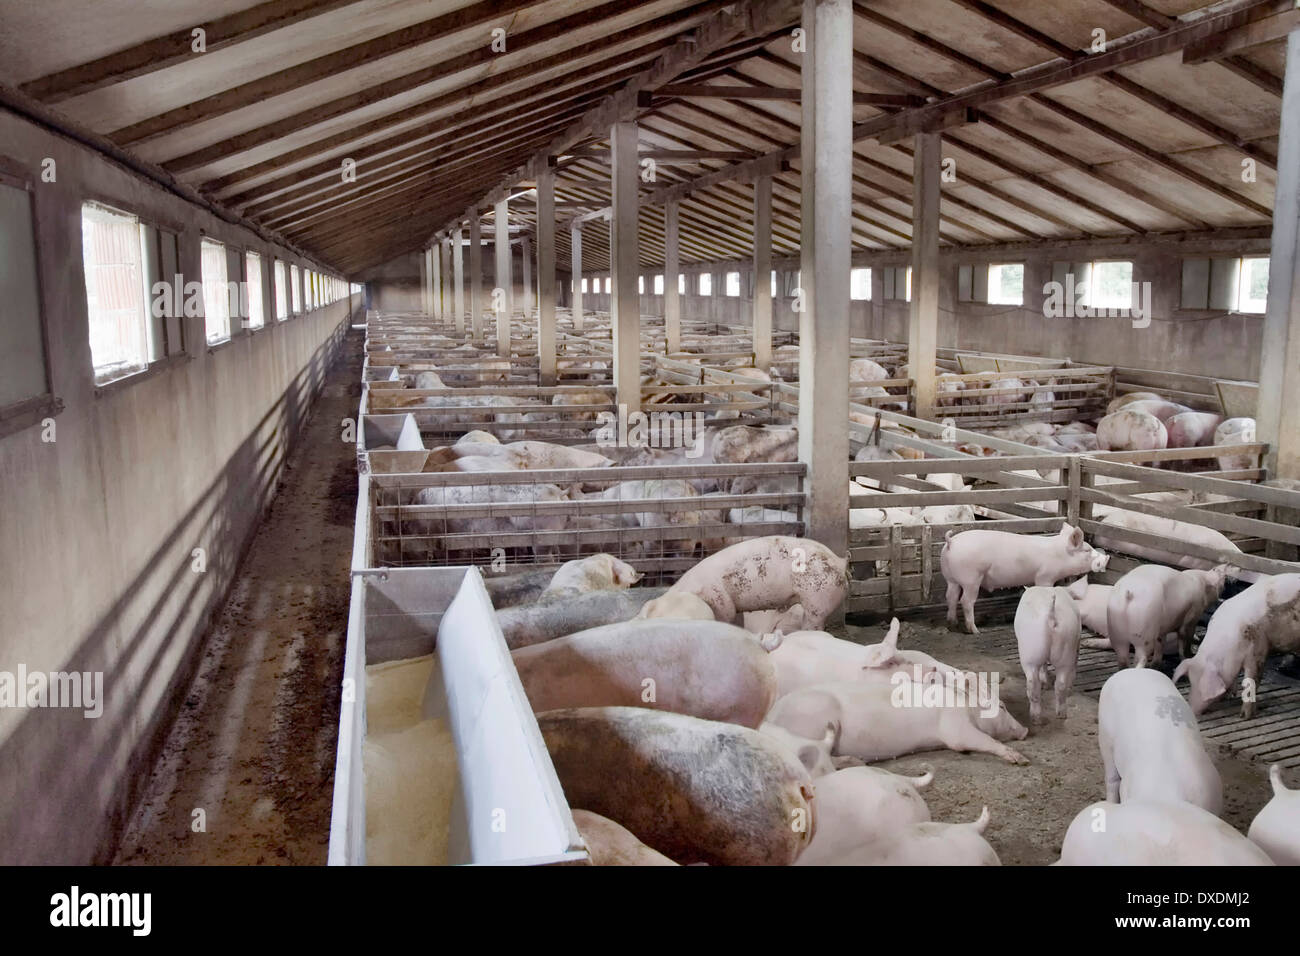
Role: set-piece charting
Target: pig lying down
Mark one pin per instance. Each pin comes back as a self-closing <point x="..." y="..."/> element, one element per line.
<point x="1244" y="628"/>
<point x="597" y="573"/>
<point x="927" y="844"/>
<point x="1145" y="833"/>
<point x="975" y="559"/>
<point x="771" y="573"/>
<point x="612" y="845"/>
<point x="1151" y="748"/>
<point x="877" y="720"/>
<point x="860" y="805"/>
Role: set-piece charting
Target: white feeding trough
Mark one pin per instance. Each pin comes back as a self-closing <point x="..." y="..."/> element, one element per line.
<point x="440" y="760"/>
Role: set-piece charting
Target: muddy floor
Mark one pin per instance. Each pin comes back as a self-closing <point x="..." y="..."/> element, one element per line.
<point x="253" y="746"/>
<point x="1031" y="806"/>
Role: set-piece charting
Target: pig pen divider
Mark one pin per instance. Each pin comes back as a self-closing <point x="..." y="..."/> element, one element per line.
<point x="653" y="517"/>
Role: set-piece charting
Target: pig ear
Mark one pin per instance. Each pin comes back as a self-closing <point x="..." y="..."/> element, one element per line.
<point x="1076" y="536"/>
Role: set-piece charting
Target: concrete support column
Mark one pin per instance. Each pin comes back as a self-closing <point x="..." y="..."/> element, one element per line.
<point x="475" y="275"/>
<point x="435" y="298"/>
<point x="546" y="277"/>
<point x="672" y="265"/>
<point x="1278" y="411"/>
<point x="575" y="256"/>
<point x="526" y="250"/>
<point x="763" y="272"/>
<point x="923" y="326"/>
<point x="625" y="300"/>
<point x="458" y="264"/>
<point x="826" y="182"/>
<point x="444" y="270"/>
<point x="503" y="300"/>
<point x="424" y="283"/>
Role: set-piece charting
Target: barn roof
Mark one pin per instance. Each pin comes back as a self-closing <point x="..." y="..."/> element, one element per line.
<point x="1067" y="118"/>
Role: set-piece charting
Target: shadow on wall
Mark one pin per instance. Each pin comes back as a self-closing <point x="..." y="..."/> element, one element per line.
<point x="50" y="795"/>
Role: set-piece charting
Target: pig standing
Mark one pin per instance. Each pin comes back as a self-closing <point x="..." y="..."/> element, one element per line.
<point x="695" y="790"/>
<point x="774" y="572"/>
<point x="1236" y="431"/>
<point x="877" y="720"/>
<point x="1151" y="601"/>
<point x="599" y="572"/>
<point x="1192" y="429"/>
<point x="976" y="559"/>
<point x="706" y="669"/>
<point x="1275" y="829"/>
<point x="1265" y="616"/>
<point x="1047" y="632"/>
<point x="1131" y="430"/>
<point x="1151" y="748"/>
<point x="860" y="805"/>
<point x="1155" y="834"/>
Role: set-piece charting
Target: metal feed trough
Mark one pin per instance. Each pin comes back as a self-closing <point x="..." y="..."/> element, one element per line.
<point x="501" y="760"/>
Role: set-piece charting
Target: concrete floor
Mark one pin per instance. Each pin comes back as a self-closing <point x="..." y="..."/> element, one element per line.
<point x="253" y="747"/>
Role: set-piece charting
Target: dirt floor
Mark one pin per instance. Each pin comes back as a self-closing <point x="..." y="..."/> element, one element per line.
<point x="254" y="744"/>
<point x="1031" y="806"/>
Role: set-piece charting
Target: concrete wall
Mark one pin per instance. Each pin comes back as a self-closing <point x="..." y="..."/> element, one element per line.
<point x="98" y="528"/>
<point x="1197" y="342"/>
<point x="395" y="286"/>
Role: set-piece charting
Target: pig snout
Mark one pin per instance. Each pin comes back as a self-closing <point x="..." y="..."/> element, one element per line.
<point x="1099" y="561"/>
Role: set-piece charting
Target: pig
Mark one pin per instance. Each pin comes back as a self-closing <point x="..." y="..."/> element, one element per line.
<point x="1275" y="829"/>
<point x="1168" y="527"/>
<point x="769" y="573"/>
<point x="428" y="380"/>
<point x="598" y="572"/>
<point x="859" y="805"/>
<point x="705" y="669"/>
<point x="533" y="455"/>
<point x="1047" y="632"/>
<point x="1091" y="601"/>
<point x="927" y="844"/>
<point x="1131" y="429"/>
<point x="1159" y="407"/>
<point x="1006" y="397"/>
<point x="694" y="790"/>
<point x="609" y="844"/>
<point x="1145" y="833"/>
<point x="808" y="658"/>
<point x="510" y="590"/>
<point x="1192" y="429"/>
<point x="1117" y="403"/>
<point x="1236" y="431"/>
<point x="948" y="387"/>
<point x="865" y="370"/>
<point x="522" y="495"/>
<point x="529" y="624"/>
<point x="1244" y="628"/>
<point x="886" y="655"/>
<point x="746" y="443"/>
<point x="678" y="606"/>
<point x="976" y="559"/>
<point x="1151" y="601"/>
<point x="478" y="437"/>
<point x="1151" y="748"/>
<point x="878" y="720"/>
<point x="815" y="755"/>
<point x="767" y="622"/>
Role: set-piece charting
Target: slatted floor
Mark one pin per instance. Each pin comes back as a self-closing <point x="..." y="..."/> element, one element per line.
<point x="1272" y="735"/>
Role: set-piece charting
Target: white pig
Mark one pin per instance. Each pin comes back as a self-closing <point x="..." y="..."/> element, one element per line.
<point x="1155" y="834"/>
<point x="597" y="573"/>
<point x="815" y="755"/>
<point x="877" y="720"/>
<point x="1090" y="601"/>
<point x="1265" y="616"/>
<point x="860" y="805"/>
<point x="773" y="572"/>
<point x="682" y="606"/>
<point x="926" y="844"/>
<point x="1131" y="430"/>
<point x="1047" y="632"/>
<point x="1151" y="748"/>
<point x="1275" y="829"/>
<point x="976" y="559"/>
<point x="1151" y="601"/>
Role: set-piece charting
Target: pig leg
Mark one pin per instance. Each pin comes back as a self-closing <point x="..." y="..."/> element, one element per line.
<point x="968" y="595"/>
<point x="968" y="738"/>
<point x="1185" y="635"/>
<point x="1250" y="685"/>
<point x="1121" y="647"/>
<point x="1064" y="681"/>
<point x="1034" y="685"/>
<point x="954" y="592"/>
